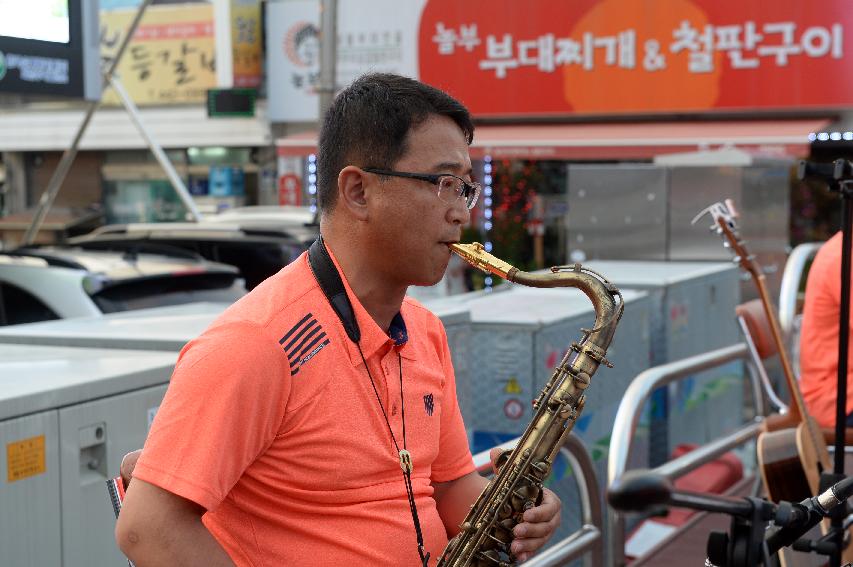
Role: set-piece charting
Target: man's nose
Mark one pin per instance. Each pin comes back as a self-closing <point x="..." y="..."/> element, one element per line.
<point x="459" y="212"/>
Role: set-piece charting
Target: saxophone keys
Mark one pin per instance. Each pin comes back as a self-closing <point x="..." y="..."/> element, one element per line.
<point x="582" y="380"/>
<point x="542" y="468"/>
<point x="503" y="531"/>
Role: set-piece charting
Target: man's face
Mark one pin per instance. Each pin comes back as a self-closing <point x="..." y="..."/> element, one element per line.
<point x="410" y="225"/>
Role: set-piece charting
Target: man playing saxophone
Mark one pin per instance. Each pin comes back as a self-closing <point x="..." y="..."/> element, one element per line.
<point x="288" y="438"/>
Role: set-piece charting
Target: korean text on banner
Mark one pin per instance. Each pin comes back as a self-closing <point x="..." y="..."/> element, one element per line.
<point x="637" y="56"/>
<point x="171" y="58"/>
<point x="246" y="42"/>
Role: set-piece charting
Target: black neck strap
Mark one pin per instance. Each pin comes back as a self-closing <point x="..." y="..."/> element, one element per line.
<point x="330" y="282"/>
<point x="333" y="287"/>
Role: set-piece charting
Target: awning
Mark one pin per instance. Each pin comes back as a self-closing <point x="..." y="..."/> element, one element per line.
<point x="48" y="129"/>
<point x="626" y="140"/>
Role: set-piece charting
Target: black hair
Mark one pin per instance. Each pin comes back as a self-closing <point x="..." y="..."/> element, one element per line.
<point x="368" y="123"/>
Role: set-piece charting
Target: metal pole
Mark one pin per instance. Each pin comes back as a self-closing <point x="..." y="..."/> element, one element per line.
<point x="328" y="54"/>
<point x="68" y="156"/>
<point x="158" y="152"/>
<point x="328" y="64"/>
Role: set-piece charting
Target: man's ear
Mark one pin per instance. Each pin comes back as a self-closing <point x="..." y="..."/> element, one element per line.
<point x="351" y="191"/>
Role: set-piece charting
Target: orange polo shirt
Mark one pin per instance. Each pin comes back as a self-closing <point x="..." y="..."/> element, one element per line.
<point x="819" y="336"/>
<point x="271" y="424"/>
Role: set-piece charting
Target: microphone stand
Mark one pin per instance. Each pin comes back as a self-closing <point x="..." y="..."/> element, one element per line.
<point x="839" y="179"/>
<point x="747" y="544"/>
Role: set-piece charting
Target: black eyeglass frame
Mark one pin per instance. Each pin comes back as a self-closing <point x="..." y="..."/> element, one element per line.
<point x="468" y="187"/>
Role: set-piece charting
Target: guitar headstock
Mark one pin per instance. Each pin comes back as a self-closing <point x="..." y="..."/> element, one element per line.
<point x="725" y="215"/>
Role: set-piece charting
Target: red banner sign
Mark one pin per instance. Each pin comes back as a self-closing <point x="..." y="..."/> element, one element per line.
<point x="551" y="57"/>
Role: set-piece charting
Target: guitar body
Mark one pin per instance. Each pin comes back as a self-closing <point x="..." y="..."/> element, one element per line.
<point x="789" y="463"/>
<point x="790" y="469"/>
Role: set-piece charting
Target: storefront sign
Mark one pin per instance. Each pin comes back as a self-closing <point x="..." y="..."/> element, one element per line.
<point x="289" y="181"/>
<point x="47" y="49"/>
<point x="548" y="57"/>
<point x="246" y="42"/>
<point x="171" y="58"/>
<point x="293" y="51"/>
<point x="376" y="36"/>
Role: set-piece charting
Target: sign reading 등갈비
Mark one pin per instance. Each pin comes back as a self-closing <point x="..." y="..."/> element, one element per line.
<point x="171" y="58"/>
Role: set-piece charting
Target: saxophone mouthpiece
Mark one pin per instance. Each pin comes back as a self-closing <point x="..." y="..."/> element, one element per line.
<point x="476" y="255"/>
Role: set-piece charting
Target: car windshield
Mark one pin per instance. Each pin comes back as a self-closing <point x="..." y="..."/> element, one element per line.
<point x="169" y="289"/>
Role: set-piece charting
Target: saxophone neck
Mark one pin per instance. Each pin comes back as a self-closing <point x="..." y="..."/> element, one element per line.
<point x="601" y="292"/>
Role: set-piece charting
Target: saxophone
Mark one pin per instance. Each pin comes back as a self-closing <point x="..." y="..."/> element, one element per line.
<point x="486" y="533"/>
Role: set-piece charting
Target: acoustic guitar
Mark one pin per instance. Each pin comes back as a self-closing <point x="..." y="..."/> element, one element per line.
<point x="791" y="449"/>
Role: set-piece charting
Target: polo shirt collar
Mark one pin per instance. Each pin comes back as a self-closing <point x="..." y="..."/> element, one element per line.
<point x="373" y="338"/>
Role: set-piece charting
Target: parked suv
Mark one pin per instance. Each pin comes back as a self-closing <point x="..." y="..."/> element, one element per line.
<point x="39" y="284"/>
<point x="257" y="242"/>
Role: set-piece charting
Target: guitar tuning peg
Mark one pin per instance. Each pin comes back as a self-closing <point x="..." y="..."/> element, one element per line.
<point x="726" y="245"/>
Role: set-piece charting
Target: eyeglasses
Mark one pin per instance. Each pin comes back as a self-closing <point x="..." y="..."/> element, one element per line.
<point x="450" y="187"/>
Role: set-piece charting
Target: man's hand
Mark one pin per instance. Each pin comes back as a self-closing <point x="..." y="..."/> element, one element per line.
<point x="128" y="463"/>
<point x="539" y="523"/>
<point x="538" y="526"/>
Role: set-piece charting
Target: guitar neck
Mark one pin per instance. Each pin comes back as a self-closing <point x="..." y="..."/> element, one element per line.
<point x="798" y="407"/>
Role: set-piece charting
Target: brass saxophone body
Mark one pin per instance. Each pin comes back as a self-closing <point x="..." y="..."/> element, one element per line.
<point x="486" y="533"/>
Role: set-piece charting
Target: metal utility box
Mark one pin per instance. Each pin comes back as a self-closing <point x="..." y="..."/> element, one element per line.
<point x="67" y="416"/>
<point x="761" y="195"/>
<point x="30" y="524"/>
<point x="159" y="328"/>
<point x="519" y="336"/>
<point x="644" y="212"/>
<point x="693" y="306"/>
<point x="617" y="211"/>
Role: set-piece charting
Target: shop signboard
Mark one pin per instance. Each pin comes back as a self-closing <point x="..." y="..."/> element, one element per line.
<point x="246" y="42"/>
<point x="605" y="57"/>
<point x="372" y="36"/>
<point x="49" y="48"/>
<point x="171" y="58"/>
<point x="290" y="181"/>
<point x="505" y="58"/>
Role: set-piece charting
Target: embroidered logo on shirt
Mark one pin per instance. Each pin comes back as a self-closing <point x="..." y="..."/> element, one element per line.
<point x="303" y="342"/>
<point x="428" y="404"/>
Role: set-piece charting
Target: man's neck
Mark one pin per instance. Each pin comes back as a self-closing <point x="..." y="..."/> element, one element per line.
<point x="379" y="297"/>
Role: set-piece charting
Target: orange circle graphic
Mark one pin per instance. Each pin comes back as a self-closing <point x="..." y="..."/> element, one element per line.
<point x="614" y="88"/>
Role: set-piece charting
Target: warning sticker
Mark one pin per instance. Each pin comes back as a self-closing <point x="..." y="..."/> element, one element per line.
<point x="512" y="386"/>
<point x="513" y="408"/>
<point x="25" y="458"/>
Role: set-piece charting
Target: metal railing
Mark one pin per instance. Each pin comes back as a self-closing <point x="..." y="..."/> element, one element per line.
<point x="588" y="540"/>
<point x="628" y="417"/>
